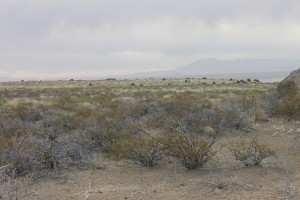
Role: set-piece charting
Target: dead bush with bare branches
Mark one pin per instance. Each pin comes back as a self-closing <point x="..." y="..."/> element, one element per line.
<point x="250" y="152"/>
<point x="14" y="188"/>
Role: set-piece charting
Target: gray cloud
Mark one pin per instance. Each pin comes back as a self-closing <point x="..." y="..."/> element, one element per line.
<point x="79" y="37"/>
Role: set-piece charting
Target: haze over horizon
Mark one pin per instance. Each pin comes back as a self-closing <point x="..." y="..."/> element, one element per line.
<point x="77" y="38"/>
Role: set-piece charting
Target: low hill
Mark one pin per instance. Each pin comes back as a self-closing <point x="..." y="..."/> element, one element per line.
<point x="272" y="69"/>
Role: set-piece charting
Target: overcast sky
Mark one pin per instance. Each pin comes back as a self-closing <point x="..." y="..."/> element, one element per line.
<point x="65" y="38"/>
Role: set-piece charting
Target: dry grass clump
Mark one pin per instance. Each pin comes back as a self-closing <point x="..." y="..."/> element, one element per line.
<point x="251" y="152"/>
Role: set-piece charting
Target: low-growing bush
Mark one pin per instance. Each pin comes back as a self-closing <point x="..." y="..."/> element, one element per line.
<point x="289" y="107"/>
<point x="50" y="157"/>
<point x="192" y="150"/>
<point x="2" y="101"/>
<point x="268" y="102"/>
<point x="233" y="117"/>
<point x="145" y="151"/>
<point x="13" y="188"/>
<point x="14" y="144"/>
<point x="261" y="115"/>
<point x="250" y="152"/>
<point x="27" y="112"/>
<point x="65" y="102"/>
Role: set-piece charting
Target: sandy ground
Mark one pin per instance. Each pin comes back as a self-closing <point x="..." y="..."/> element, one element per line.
<point x="225" y="180"/>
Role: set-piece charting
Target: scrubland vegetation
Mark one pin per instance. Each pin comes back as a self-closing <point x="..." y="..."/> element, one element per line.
<point x="48" y="128"/>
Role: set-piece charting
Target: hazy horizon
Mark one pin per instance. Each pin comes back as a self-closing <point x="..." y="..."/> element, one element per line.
<point x="76" y="38"/>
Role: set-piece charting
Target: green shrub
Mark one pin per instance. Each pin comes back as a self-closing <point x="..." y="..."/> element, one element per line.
<point x="65" y="102"/>
<point x="85" y="99"/>
<point x="2" y="101"/>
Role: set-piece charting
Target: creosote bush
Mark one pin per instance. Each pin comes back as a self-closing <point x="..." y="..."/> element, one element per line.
<point x="143" y="150"/>
<point x="192" y="150"/>
<point x="250" y="152"/>
<point x="261" y="115"/>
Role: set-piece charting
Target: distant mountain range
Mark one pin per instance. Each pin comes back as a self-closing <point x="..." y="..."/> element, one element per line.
<point x="4" y="79"/>
<point x="268" y="69"/>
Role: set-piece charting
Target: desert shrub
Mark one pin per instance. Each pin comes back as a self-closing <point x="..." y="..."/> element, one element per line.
<point x="136" y="110"/>
<point x="145" y="151"/>
<point x="261" y="115"/>
<point x="107" y="128"/>
<point x="198" y="121"/>
<point x="192" y="150"/>
<point x="287" y="89"/>
<point x="51" y="128"/>
<point x="13" y="144"/>
<point x="48" y="156"/>
<point x="246" y="102"/>
<point x="26" y="111"/>
<point x="196" y="113"/>
<point x="13" y="188"/>
<point x="179" y="106"/>
<point x="241" y="81"/>
<point x="52" y="156"/>
<point x="268" y="102"/>
<point x="85" y="99"/>
<point x="208" y="117"/>
<point x="51" y="147"/>
<point x="65" y="102"/>
<point x="250" y="152"/>
<point x="289" y="107"/>
<point x="2" y="101"/>
<point x="155" y="118"/>
<point x="236" y="115"/>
